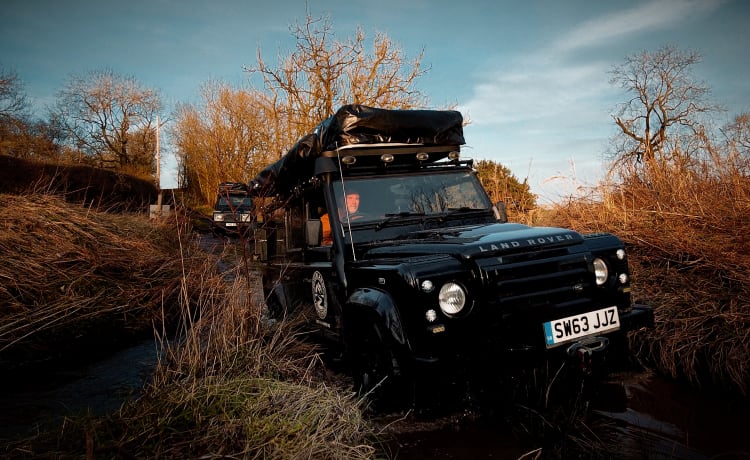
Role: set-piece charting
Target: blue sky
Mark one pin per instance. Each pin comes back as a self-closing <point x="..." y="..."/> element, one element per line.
<point x="532" y="76"/>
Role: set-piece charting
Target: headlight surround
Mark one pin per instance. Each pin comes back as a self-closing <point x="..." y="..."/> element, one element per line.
<point x="452" y="298"/>
<point x="218" y="217"/>
<point x="601" y="271"/>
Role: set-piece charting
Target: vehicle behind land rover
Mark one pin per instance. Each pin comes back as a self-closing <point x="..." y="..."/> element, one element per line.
<point x="234" y="210"/>
<point x="427" y="274"/>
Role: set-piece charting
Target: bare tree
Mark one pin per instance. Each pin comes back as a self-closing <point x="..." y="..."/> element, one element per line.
<point x="737" y="143"/>
<point x="20" y="135"/>
<point x="666" y="102"/>
<point x="235" y="133"/>
<point x="738" y="134"/>
<point x="323" y="73"/>
<point x="224" y="139"/>
<point x="111" y="118"/>
<point x="13" y="101"/>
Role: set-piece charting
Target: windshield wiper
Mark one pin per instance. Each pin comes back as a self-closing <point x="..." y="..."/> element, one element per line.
<point x="450" y="211"/>
<point x="453" y="211"/>
<point x="390" y="217"/>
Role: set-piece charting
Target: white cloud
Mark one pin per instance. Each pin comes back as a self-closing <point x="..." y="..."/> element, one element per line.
<point x="649" y="16"/>
<point x="543" y="90"/>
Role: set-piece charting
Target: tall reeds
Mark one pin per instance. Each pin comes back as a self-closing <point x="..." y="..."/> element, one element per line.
<point x="240" y="385"/>
<point x="69" y="273"/>
<point x="686" y="222"/>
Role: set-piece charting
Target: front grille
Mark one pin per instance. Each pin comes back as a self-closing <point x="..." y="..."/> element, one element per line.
<point x="525" y="290"/>
<point x="541" y="278"/>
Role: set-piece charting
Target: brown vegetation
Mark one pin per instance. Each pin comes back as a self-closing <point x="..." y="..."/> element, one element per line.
<point x="73" y="276"/>
<point x="97" y="188"/>
<point x="110" y="119"/>
<point x="233" y="387"/>
<point x="687" y="229"/>
<point x="75" y="279"/>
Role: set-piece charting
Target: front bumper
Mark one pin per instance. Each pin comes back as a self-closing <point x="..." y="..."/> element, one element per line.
<point x="482" y="351"/>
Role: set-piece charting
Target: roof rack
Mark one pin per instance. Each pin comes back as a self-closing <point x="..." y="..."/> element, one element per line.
<point x="232" y="188"/>
<point x="363" y="129"/>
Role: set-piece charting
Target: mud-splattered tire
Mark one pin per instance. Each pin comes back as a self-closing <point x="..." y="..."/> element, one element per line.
<point x="375" y="370"/>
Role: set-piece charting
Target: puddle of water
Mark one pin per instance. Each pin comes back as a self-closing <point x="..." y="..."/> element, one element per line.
<point x="468" y="440"/>
<point x="99" y="388"/>
<point x="638" y="415"/>
<point x="635" y="415"/>
<point x="667" y="420"/>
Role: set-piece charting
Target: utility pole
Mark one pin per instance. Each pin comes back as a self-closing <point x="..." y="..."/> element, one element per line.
<point x="158" y="167"/>
<point x="155" y="210"/>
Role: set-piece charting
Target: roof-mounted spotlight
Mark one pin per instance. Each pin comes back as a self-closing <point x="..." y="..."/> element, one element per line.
<point x="386" y="158"/>
<point x="454" y="155"/>
<point x="422" y="156"/>
<point x="349" y="160"/>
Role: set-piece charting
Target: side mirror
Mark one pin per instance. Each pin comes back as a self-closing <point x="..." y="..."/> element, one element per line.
<point x="501" y="214"/>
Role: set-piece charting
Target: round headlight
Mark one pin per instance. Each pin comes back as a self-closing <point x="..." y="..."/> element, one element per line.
<point x="452" y="298"/>
<point x="600" y="271"/>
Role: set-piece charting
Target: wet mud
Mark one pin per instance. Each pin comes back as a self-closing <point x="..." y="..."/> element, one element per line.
<point x="632" y="415"/>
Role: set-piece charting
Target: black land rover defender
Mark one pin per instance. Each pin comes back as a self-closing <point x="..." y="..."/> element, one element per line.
<point x="426" y="273"/>
<point x="233" y="210"/>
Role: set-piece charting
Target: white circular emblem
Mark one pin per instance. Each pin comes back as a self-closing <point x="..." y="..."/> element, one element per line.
<point x="320" y="300"/>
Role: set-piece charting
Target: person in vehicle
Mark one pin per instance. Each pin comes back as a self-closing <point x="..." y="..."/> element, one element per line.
<point x="351" y="211"/>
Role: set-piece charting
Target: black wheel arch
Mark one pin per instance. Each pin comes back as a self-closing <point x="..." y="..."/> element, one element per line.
<point x="366" y="306"/>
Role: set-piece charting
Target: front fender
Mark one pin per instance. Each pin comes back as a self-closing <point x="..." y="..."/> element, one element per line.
<point x="374" y="304"/>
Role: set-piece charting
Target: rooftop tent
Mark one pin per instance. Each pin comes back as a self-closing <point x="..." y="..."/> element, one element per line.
<point x="281" y="176"/>
<point x="358" y="124"/>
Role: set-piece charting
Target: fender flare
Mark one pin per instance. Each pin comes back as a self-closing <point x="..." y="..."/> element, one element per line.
<point x="379" y="305"/>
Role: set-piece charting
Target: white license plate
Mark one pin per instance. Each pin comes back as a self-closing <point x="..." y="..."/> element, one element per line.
<point x="231" y="224"/>
<point x="566" y="329"/>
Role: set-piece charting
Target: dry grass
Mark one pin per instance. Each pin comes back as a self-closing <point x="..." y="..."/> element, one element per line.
<point x="68" y="273"/>
<point x="77" y="183"/>
<point x="687" y="227"/>
<point x="231" y="386"/>
<point x="263" y="384"/>
<point x="234" y="386"/>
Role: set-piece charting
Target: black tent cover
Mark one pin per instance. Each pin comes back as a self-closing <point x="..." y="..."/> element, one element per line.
<point x="357" y="124"/>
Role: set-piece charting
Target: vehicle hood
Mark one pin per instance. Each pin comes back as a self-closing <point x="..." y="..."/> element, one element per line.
<point x="474" y="241"/>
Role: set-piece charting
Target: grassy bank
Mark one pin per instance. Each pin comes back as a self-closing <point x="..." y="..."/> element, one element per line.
<point x="75" y="278"/>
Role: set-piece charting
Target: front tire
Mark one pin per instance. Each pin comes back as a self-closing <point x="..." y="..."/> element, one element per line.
<point x="376" y="370"/>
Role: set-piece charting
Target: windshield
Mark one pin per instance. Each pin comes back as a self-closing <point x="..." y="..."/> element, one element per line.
<point x="235" y="201"/>
<point x="376" y="198"/>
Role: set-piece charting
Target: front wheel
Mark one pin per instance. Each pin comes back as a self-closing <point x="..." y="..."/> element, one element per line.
<point x="376" y="370"/>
